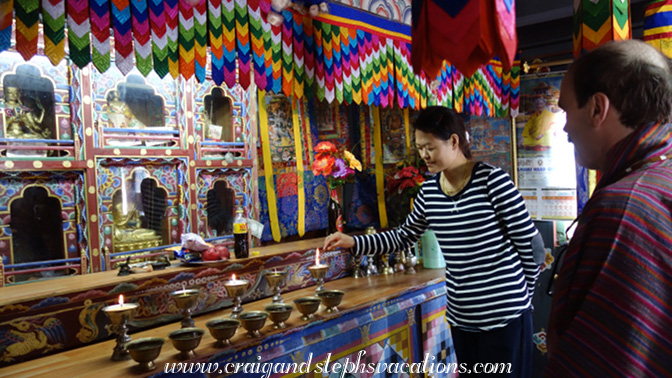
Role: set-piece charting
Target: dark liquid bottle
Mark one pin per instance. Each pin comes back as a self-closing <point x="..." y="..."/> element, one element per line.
<point x="334" y="216"/>
<point x="240" y="245"/>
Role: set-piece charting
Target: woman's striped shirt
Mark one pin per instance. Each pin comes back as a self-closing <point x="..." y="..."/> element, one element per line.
<point x="489" y="277"/>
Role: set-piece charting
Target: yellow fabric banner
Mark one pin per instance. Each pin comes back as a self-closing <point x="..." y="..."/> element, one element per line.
<point x="301" y="192"/>
<point x="268" y="168"/>
<point x="380" y="179"/>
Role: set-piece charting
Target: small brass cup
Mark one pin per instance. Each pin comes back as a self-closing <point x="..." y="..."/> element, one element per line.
<point x="145" y="351"/>
<point x="279" y="313"/>
<point x="307" y="306"/>
<point x="222" y="330"/>
<point x="253" y="321"/>
<point x="331" y="299"/>
<point x="186" y="340"/>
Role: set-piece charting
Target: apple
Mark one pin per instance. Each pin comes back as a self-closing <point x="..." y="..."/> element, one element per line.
<point x="224" y="253"/>
<point x="210" y="254"/>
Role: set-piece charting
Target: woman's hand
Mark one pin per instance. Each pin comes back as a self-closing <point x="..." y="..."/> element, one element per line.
<point x="338" y="240"/>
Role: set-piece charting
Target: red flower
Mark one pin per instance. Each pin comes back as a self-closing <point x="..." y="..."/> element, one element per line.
<point x="325" y="149"/>
<point x="323" y="165"/>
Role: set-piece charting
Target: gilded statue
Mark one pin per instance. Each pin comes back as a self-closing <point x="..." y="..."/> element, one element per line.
<point x="119" y="114"/>
<point x="128" y="231"/>
<point x="22" y="121"/>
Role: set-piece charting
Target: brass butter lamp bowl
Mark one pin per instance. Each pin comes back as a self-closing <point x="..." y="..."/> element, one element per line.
<point x="186" y="340"/>
<point x="222" y="330"/>
<point x="279" y="313"/>
<point x="331" y="299"/>
<point x="307" y="306"/>
<point x="186" y="300"/>
<point x="144" y="351"/>
<point x="275" y="279"/>
<point x="253" y="321"/>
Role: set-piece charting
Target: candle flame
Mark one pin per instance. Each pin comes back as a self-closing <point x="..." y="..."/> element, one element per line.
<point x="183" y="289"/>
<point x="317" y="256"/>
<point x="233" y="277"/>
<point x="121" y="299"/>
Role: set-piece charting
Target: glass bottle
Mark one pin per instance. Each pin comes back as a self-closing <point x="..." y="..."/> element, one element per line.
<point x="240" y="247"/>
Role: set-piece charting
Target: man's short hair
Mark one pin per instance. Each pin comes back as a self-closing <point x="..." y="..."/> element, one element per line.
<point x="635" y="77"/>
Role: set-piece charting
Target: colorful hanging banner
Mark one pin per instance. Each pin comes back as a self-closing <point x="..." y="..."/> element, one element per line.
<point x="171" y="9"/>
<point x="201" y="40"/>
<point x="658" y="26"/>
<point x="142" y="36"/>
<point x="243" y="43"/>
<point x="309" y="57"/>
<point x="27" y="16"/>
<point x="53" y="19"/>
<point x="157" y="22"/>
<point x="186" y="39"/>
<point x="216" y="44"/>
<point x="257" y="41"/>
<point x="6" y="14"/>
<point x="79" y="29"/>
<point x="123" y="39"/>
<point x="229" y="41"/>
<point x="299" y="59"/>
<point x="287" y="54"/>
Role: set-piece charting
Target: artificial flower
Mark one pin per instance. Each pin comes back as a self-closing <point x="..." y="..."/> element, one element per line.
<point x="323" y="165"/>
<point x="352" y="160"/>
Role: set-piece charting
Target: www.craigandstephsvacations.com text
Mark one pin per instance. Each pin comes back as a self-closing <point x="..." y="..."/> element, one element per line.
<point x="429" y="365"/>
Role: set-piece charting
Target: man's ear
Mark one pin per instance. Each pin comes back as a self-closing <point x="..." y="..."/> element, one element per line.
<point x="600" y="108"/>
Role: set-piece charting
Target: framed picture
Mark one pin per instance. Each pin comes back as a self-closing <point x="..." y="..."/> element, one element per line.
<point x="326" y="119"/>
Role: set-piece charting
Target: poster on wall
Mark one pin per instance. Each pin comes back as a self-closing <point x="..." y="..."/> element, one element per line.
<point x="546" y="167"/>
<point x="490" y="140"/>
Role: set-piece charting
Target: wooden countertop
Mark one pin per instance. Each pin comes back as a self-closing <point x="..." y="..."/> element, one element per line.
<point x="60" y="286"/>
<point x="95" y="359"/>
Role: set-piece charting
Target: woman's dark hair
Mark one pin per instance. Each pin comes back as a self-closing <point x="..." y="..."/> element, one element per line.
<point x="442" y="123"/>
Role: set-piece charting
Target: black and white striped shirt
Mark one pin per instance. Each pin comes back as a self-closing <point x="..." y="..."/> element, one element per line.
<point x="489" y="280"/>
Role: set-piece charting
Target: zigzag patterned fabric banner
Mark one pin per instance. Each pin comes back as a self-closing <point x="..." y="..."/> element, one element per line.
<point x="201" y="40"/>
<point x="229" y="41"/>
<point x="299" y="59"/>
<point x="309" y="57"/>
<point x="6" y="7"/>
<point x="243" y="43"/>
<point x="287" y="54"/>
<point x="186" y="39"/>
<point x="142" y="36"/>
<point x="157" y="21"/>
<point x="216" y="45"/>
<point x="658" y="26"/>
<point x="100" y="38"/>
<point x="53" y="19"/>
<point x="123" y="39"/>
<point x="27" y="16"/>
<point x="171" y="12"/>
<point x="599" y="21"/>
<point x="257" y="40"/>
<point x="345" y="56"/>
<point x="79" y="32"/>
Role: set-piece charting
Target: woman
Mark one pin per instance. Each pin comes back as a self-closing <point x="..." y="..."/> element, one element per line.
<point x="485" y="233"/>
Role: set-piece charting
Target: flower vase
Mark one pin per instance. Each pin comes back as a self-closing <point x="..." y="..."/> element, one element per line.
<point x="334" y="212"/>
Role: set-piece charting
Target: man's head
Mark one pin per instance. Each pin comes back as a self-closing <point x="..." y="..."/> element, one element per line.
<point x="612" y="90"/>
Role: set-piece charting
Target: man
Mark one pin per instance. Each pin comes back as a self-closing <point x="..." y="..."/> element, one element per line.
<point x="612" y="308"/>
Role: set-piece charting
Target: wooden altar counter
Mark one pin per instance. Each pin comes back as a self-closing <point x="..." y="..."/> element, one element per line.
<point x="395" y="318"/>
<point x="52" y="316"/>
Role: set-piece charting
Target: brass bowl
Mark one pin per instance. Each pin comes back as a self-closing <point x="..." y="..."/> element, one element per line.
<point x="222" y="330"/>
<point x="279" y="313"/>
<point x="331" y="299"/>
<point x="186" y="340"/>
<point x="307" y="306"/>
<point x="144" y="351"/>
<point x="253" y="321"/>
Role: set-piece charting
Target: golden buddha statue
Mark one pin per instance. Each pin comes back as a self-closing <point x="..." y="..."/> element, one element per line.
<point x="22" y="121"/>
<point x="128" y="232"/>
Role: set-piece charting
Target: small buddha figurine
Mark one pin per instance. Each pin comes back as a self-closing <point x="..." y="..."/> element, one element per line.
<point x="127" y="222"/>
<point x="119" y="114"/>
<point x="23" y="122"/>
